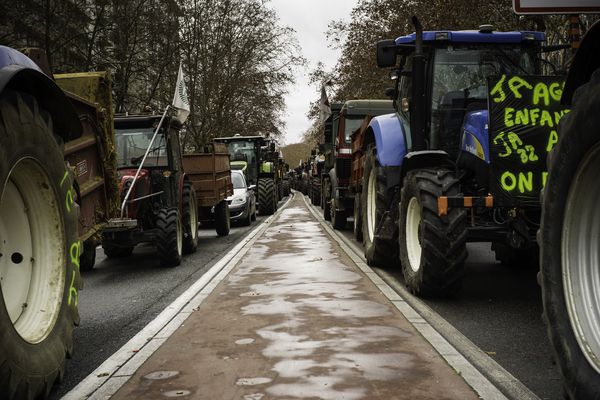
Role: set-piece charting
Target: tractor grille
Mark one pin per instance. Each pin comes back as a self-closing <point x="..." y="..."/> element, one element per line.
<point x="343" y="168"/>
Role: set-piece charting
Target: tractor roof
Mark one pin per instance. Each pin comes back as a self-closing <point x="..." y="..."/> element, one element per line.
<point x="367" y="107"/>
<point x="237" y="138"/>
<point x="142" y="121"/>
<point x="475" y="37"/>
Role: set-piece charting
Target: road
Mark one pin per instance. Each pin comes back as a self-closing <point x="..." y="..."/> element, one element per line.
<point x="120" y="296"/>
<point x="499" y="309"/>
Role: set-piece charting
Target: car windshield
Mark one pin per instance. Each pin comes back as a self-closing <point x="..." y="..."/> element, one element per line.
<point x="460" y="82"/>
<point x="238" y="181"/>
<point x="351" y="124"/>
<point x="131" y="145"/>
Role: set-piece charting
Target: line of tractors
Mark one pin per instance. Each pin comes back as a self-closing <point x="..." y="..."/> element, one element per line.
<point x="75" y="176"/>
<point x="461" y="153"/>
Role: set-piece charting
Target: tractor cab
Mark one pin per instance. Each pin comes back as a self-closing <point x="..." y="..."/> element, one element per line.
<point x="244" y="154"/>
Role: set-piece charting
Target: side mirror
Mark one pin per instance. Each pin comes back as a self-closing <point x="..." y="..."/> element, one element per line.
<point x="392" y="93"/>
<point x="386" y="53"/>
<point x="252" y="187"/>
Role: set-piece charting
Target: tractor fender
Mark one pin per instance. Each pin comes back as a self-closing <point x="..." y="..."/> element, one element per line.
<point x="18" y="72"/>
<point x="474" y="138"/>
<point x="425" y="159"/>
<point x="333" y="181"/>
<point x="586" y="61"/>
<point x="387" y="132"/>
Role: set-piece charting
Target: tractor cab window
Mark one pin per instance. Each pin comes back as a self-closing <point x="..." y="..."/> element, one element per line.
<point x="131" y="145"/>
<point x="460" y="85"/>
<point x="244" y="154"/>
<point x="351" y="123"/>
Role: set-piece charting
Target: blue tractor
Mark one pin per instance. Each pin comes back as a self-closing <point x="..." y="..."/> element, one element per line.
<point x="427" y="171"/>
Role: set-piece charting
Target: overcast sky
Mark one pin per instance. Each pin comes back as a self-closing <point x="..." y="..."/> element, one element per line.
<point x="310" y="19"/>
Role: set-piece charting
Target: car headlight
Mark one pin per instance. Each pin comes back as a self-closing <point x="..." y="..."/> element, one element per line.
<point x="238" y="201"/>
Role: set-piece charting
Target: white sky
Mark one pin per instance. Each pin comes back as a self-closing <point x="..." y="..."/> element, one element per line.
<point x="310" y="19"/>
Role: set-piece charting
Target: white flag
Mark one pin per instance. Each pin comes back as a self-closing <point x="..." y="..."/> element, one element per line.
<point x="324" y="107"/>
<point x="180" y="100"/>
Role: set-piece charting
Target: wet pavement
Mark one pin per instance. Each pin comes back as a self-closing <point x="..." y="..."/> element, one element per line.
<point x="296" y="318"/>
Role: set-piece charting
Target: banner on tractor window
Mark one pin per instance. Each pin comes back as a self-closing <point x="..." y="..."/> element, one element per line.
<point x="523" y="129"/>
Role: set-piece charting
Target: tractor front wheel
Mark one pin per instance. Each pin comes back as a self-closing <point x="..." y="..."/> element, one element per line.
<point x="267" y="198"/>
<point x="222" y="219"/>
<point x="169" y="238"/>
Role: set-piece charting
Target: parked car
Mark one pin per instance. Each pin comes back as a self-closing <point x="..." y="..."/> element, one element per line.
<point x="242" y="205"/>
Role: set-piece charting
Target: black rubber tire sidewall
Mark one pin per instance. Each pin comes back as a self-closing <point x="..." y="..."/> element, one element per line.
<point x="578" y="133"/>
<point x="25" y="131"/>
<point x="190" y="243"/>
<point x="222" y="219"/>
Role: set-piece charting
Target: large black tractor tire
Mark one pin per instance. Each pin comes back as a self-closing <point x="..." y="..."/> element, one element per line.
<point x="316" y="190"/>
<point x="325" y="200"/>
<point x="510" y="257"/>
<point x="286" y="188"/>
<point x="357" y="227"/>
<point x="189" y="218"/>
<point x="87" y="259"/>
<point x="222" y="219"/>
<point x="38" y="221"/>
<point x="267" y="201"/>
<point x="113" y="251"/>
<point x="338" y="217"/>
<point x="378" y="252"/>
<point x="280" y="194"/>
<point x="569" y="243"/>
<point x="169" y="237"/>
<point x="432" y="247"/>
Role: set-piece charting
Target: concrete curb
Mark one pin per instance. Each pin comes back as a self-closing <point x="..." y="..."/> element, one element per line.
<point x="484" y="375"/>
<point x="113" y="373"/>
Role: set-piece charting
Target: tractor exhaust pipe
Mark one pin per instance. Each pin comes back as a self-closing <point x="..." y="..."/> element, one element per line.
<point x="418" y="105"/>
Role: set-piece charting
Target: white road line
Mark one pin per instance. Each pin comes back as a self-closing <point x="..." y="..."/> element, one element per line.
<point x="120" y="367"/>
<point x="474" y="378"/>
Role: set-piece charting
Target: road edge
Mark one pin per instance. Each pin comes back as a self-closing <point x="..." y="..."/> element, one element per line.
<point x="117" y="369"/>
<point x="477" y="368"/>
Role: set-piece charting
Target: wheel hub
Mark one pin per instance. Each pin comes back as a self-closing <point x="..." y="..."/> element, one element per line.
<point x="413" y="245"/>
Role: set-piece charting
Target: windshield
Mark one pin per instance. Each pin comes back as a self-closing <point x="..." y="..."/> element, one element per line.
<point x="352" y="124"/>
<point x="132" y="144"/>
<point x="244" y="151"/>
<point x="460" y="83"/>
<point x="238" y="181"/>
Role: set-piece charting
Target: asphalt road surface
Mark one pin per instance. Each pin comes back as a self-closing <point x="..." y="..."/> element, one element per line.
<point x="121" y="296"/>
<point x="500" y="310"/>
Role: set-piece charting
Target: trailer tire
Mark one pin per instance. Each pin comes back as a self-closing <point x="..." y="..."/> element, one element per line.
<point x="169" y="238"/>
<point x="33" y="172"/>
<point x="266" y="196"/>
<point x="338" y="218"/>
<point x="357" y="227"/>
<point x="374" y="202"/>
<point x="222" y="219"/>
<point x="316" y="192"/>
<point x="325" y="201"/>
<point x="432" y="247"/>
<point x="568" y="251"/>
<point x="88" y="257"/>
<point x="190" y="218"/>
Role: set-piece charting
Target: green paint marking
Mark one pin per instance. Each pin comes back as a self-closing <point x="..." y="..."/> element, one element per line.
<point x="64" y="178"/>
<point x="72" y="291"/>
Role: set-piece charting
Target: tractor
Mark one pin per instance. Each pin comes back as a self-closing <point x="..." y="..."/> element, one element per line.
<point x="257" y="158"/>
<point x="429" y="185"/>
<point x="160" y="205"/>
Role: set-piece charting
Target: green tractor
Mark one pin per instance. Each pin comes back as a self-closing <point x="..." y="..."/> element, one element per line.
<point x="257" y="158"/>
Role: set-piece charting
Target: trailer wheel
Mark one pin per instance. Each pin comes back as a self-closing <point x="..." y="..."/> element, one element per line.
<point x="169" y="238"/>
<point x="190" y="219"/>
<point x="113" y="251"/>
<point x="266" y="196"/>
<point x="316" y="192"/>
<point x="570" y="247"/>
<point x="88" y="257"/>
<point x="325" y="200"/>
<point x="357" y="228"/>
<point x="338" y="218"/>
<point x="222" y="219"/>
<point x="39" y="262"/>
<point x="432" y="247"/>
<point x="374" y="201"/>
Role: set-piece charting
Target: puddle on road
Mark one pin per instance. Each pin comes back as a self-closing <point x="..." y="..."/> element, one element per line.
<point x="323" y="346"/>
<point x="244" y="341"/>
<point x="157" y="375"/>
<point x="176" y="393"/>
<point x="252" y="381"/>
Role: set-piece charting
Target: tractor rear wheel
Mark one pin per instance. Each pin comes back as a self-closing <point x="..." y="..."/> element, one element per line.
<point x="378" y="252"/>
<point x="38" y="221"/>
<point x="325" y="200"/>
<point x="338" y="217"/>
<point x="267" y="200"/>
<point x="190" y="218"/>
<point x="358" y="235"/>
<point x="432" y="247"/>
<point x="570" y="246"/>
<point x="222" y="219"/>
<point x="169" y="239"/>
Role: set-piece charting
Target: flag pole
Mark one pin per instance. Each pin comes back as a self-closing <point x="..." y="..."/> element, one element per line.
<point x="137" y="173"/>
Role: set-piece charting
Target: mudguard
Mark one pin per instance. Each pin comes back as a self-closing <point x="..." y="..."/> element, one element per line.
<point x="389" y="136"/>
<point x="474" y="137"/>
<point x="18" y="72"/>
